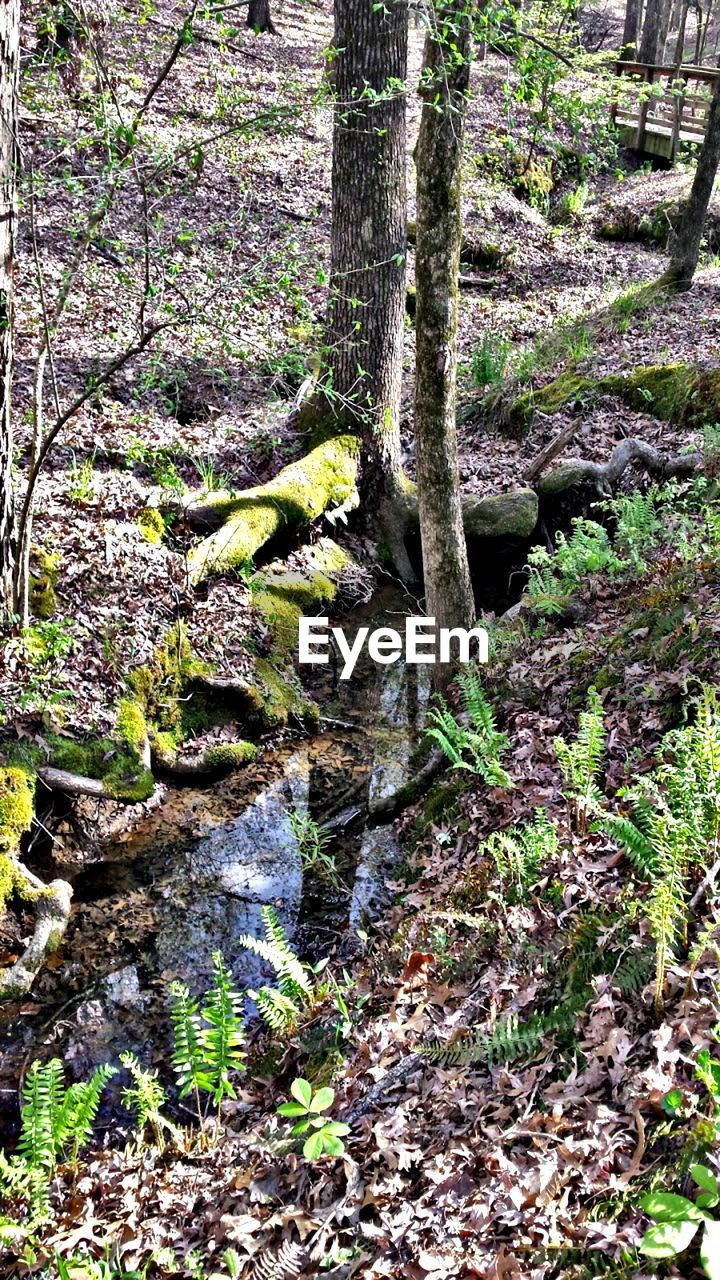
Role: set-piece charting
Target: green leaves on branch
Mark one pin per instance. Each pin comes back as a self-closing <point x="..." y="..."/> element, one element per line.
<point x="324" y="1137"/>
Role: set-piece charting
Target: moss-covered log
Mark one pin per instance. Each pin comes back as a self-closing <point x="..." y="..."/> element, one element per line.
<point x="677" y="393"/>
<point x="325" y="478"/>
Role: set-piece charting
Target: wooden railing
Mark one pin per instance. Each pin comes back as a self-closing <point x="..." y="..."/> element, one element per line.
<point x="657" y="122"/>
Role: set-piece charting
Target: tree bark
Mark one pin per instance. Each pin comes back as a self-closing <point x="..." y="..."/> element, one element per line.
<point x="445" y="81"/>
<point x="259" y="17"/>
<point x="655" y="32"/>
<point x="9" y="69"/>
<point x="686" y="248"/>
<point x="631" y="29"/>
<point x="366" y="310"/>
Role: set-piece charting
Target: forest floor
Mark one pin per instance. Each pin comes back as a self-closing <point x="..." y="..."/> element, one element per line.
<point x="532" y="1160"/>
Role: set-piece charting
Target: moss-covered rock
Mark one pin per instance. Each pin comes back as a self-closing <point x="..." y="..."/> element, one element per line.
<point x="230" y="755"/>
<point x="158" y="687"/>
<point x="44" y="571"/>
<point x="298" y="494"/>
<point x="152" y="525"/>
<point x="282" y="696"/>
<point x="534" y="181"/>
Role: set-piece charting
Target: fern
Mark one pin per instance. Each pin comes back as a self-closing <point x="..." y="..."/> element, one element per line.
<point x="54" y="1120"/>
<point x="144" y="1096"/>
<point x="192" y="1070"/>
<point x="289" y="1262"/>
<point x="519" y="853"/>
<point x="553" y="578"/>
<point x="282" y="1007"/>
<point x="477" y="746"/>
<point x="510" y="1040"/>
<point x="580" y="763"/>
<point x="639" y="527"/>
<point x="224" y="1036"/>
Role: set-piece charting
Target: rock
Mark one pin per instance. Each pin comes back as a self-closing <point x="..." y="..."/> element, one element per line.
<point x="404" y="696"/>
<point x="123" y="988"/>
<point x="380" y="855"/>
<point x="219" y="886"/>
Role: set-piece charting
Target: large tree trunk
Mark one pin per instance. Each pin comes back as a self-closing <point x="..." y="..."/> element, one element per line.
<point x="686" y="249"/>
<point x="655" y="32"/>
<point x="631" y="29"/>
<point x="9" y="65"/>
<point x="366" y="311"/>
<point x="445" y="80"/>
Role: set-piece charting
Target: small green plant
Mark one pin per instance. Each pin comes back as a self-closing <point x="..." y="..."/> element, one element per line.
<point x="519" y="853"/>
<point x="555" y="576"/>
<point x="324" y="1137"/>
<point x="144" y="1096"/>
<point x="639" y="527"/>
<point x="489" y="361"/>
<point x="211" y="480"/>
<point x="280" y="1006"/>
<point x="477" y="745"/>
<point x="572" y="205"/>
<point x="208" y="1038"/>
<point x="313" y="840"/>
<point x="580" y="764"/>
<point x="678" y="1220"/>
<point x="81" y="487"/>
<point x="674" y="825"/>
<point x="56" y="1121"/>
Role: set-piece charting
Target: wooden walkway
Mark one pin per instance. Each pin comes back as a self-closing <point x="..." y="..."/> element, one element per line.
<point x="670" y="106"/>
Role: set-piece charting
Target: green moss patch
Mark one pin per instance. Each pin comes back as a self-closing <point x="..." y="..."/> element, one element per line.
<point x="152" y="525"/>
<point x="44" y="571"/>
<point x="17" y="795"/>
<point x="298" y="494"/>
<point x="230" y="755"/>
<point x="677" y="393"/>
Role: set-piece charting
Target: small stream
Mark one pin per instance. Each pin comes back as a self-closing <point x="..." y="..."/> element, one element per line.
<point x="190" y="873"/>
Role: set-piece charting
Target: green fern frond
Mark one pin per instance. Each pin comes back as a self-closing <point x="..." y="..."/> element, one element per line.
<point x="192" y="1070"/>
<point x="295" y="979"/>
<point x="509" y="1041"/>
<point x="278" y="1010"/>
<point x="40" y="1133"/>
<point x="80" y="1107"/>
<point x="632" y="839"/>
<point x="478" y="746"/>
<point x="580" y="762"/>
<point x="223" y="1038"/>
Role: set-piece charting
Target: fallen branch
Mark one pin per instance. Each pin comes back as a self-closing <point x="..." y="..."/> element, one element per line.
<point x="72" y="783"/>
<point x="603" y="475"/>
<point x="551" y="451"/>
<point x="52" y="912"/>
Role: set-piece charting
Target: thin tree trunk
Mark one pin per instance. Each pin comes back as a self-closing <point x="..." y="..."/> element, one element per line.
<point x="366" y="311"/>
<point x="445" y="80"/>
<point x="9" y="68"/>
<point x="686" y="248"/>
<point x="631" y="29"/>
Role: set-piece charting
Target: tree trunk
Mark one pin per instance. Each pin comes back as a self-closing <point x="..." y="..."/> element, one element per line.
<point x="445" y="80"/>
<point x="631" y="29"/>
<point x="259" y="18"/>
<point x="9" y="66"/>
<point x="655" y="32"/>
<point x="686" y="248"/>
<point x="366" y="311"/>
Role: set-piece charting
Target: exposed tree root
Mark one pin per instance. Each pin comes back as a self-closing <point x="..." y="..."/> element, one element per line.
<point x="603" y="475"/>
<point x="52" y="912"/>
<point x="72" y="783"/>
<point x="325" y="478"/>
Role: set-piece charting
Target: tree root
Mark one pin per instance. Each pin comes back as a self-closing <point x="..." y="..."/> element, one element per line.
<point x="72" y="783"/>
<point x="52" y="906"/>
<point x="603" y="475"/>
<point x="325" y="478"/>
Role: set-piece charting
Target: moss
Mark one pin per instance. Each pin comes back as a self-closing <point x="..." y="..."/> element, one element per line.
<point x="17" y="794"/>
<point x="441" y="802"/>
<point x="569" y="388"/>
<point x="230" y="755"/>
<point x="285" y="596"/>
<point x="534" y="181"/>
<point x="281" y="697"/>
<point x="677" y="393"/>
<point x="88" y="759"/>
<point x="152" y="525"/>
<point x="124" y="781"/>
<point x="44" y="570"/>
<point x="164" y="747"/>
<point x="158" y="686"/>
<point x="298" y="494"/>
<point x="131" y="725"/>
